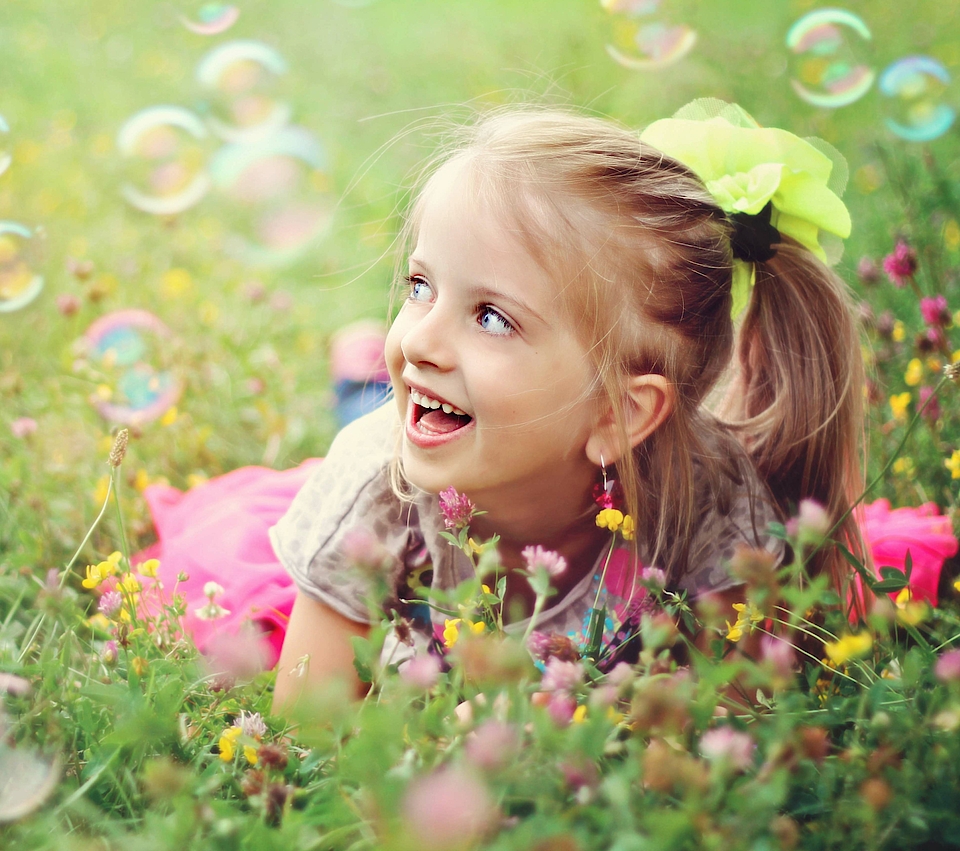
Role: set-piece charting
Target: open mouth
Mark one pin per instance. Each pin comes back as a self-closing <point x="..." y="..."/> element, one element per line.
<point x="433" y="417"/>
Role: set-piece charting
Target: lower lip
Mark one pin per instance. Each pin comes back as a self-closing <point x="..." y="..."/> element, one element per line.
<point x="425" y="440"/>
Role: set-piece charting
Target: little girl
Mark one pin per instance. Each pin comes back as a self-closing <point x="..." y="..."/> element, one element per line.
<point x="583" y="305"/>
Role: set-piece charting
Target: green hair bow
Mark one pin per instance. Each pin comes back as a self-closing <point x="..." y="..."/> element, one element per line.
<point x="745" y="166"/>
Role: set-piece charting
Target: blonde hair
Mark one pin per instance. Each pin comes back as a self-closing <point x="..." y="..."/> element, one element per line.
<point x="642" y="255"/>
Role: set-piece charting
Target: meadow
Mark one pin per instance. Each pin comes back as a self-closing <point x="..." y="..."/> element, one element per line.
<point x="113" y="734"/>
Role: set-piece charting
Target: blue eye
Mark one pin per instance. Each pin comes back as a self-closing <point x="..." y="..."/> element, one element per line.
<point x="494" y="322"/>
<point x="420" y="289"/>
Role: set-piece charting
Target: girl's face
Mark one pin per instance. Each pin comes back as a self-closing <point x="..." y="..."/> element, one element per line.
<point x="492" y="384"/>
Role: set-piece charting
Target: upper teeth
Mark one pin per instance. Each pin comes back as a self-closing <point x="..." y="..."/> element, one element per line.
<point x="427" y="402"/>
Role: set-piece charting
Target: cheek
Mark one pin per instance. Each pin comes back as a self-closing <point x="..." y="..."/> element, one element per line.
<point x="392" y="352"/>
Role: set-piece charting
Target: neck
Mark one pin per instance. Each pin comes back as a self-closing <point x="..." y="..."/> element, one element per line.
<point x="564" y="523"/>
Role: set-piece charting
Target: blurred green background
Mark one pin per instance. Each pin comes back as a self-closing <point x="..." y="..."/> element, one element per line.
<point x="368" y="81"/>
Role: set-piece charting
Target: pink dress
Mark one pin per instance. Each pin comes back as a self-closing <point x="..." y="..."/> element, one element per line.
<point x="217" y="532"/>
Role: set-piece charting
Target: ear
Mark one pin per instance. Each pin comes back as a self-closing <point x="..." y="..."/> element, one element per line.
<point x="649" y="401"/>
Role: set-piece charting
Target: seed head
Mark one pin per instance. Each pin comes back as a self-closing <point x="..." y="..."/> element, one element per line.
<point x="952" y="371"/>
<point x="119" y="449"/>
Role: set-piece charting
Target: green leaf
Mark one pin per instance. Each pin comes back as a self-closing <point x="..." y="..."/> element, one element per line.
<point x="362" y="658"/>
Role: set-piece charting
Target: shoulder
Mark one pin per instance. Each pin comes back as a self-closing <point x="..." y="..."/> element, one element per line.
<point x="738" y="516"/>
<point x="350" y="490"/>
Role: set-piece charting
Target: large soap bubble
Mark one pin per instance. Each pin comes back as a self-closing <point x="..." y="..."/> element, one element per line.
<point x="914" y="88"/>
<point x="164" y="158"/>
<point x="277" y="193"/>
<point x="20" y="278"/>
<point x="212" y="19"/>
<point x="5" y="158"/>
<point x="828" y="48"/>
<point x="130" y="358"/>
<point x="241" y="79"/>
<point x="643" y="42"/>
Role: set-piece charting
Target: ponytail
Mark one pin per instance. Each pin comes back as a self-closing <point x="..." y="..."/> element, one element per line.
<point x="797" y="397"/>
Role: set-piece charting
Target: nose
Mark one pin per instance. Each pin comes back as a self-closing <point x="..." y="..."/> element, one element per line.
<point x="427" y="341"/>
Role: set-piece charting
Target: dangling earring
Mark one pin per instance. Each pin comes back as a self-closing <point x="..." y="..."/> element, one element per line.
<point x="603" y="492"/>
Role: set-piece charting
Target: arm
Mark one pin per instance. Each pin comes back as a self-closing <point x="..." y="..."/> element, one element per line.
<point x="317" y="631"/>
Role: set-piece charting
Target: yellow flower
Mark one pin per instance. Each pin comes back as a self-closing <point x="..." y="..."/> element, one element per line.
<point x="914" y="374"/>
<point x="175" y="283"/>
<point x="475" y="548"/>
<point x="905" y="467"/>
<point x="139" y="665"/>
<point x="96" y="573"/>
<point x="910" y="612"/>
<point x="934" y="365"/>
<point x="226" y="743"/>
<point x="747" y="616"/>
<point x="629" y="528"/>
<point x="898" y="332"/>
<point x="610" y="518"/>
<point x="149" y="568"/>
<point x="951" y="234"/>
<point x="848" y="647"/>
<point x="99" y="621"/>
<point x="898" y="405"/>
<point x="451" y="632"/>
<point x="478" y="628"/>
<point x="956" y="586"/>
<point x="129" y="585"/>
<point x="101" y="490"/>
<point x="953" y="464"/>
<point x="169" y="417"/>
<point x="579" y="714"/>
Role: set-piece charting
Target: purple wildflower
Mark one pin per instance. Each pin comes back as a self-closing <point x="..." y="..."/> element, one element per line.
<point x="935" y="311"/>
<point x="23" y="427"/>
<point x="457" y="509"/>
<point x="561" y="676"/>
<point x="901" y="265"/>
<point x="868" y="271"/>
<point x="422" y="671"/>
<point x="726" y="745"/>
<point x="110" y="604"/>
<point x="931" y="410"/>
<point x="549" y="560"/>
<point x="947" y="669"/>
<point x="252" y="724"/>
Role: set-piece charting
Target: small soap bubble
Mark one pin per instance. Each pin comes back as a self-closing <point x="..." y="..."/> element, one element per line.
<point x="165" y="160"/>
<point x="130" y="358"/>
<point x="241" y="79"/>
<point x="641" y="42"/>
<point x="828" y="49"/>
<point x="212" y="19"/>
<point x="277" y="196"/>
<point x="20" y="278"/>
<point x="914" y="90"/>
<point x="5" y="157"/>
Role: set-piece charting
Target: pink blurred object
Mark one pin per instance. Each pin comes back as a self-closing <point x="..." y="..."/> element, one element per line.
<point x="356" y="353"/>
<point x="923" y="531"/>
<point x="217" y="532"/>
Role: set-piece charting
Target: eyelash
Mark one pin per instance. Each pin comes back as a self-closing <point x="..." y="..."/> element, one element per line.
<point x="482" y="310"/>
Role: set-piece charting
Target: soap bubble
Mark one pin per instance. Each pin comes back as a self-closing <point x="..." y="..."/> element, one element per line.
<point x="827" y="47"/>
<point x="27" y="779"/>
<point x="165" y="160"/>
<point x="642" y="44"/>
<point x="5" y="158"/>
<point x="277" y="193"/>
<point x="212" y="19"/>
<point x="20" y="282"/>
<point x="241" y="78"/>
<point x="130" y="357"/>
<point x="913" y="90"/>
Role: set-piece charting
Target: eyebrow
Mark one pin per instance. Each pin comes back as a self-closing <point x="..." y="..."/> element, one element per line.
<point x="483" y="293"/>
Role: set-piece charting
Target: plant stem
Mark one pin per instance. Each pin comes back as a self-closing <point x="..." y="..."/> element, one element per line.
<point x="83" y="543"/>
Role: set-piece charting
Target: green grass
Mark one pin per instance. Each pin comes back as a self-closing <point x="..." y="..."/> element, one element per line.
<point x="374" y="84"/>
